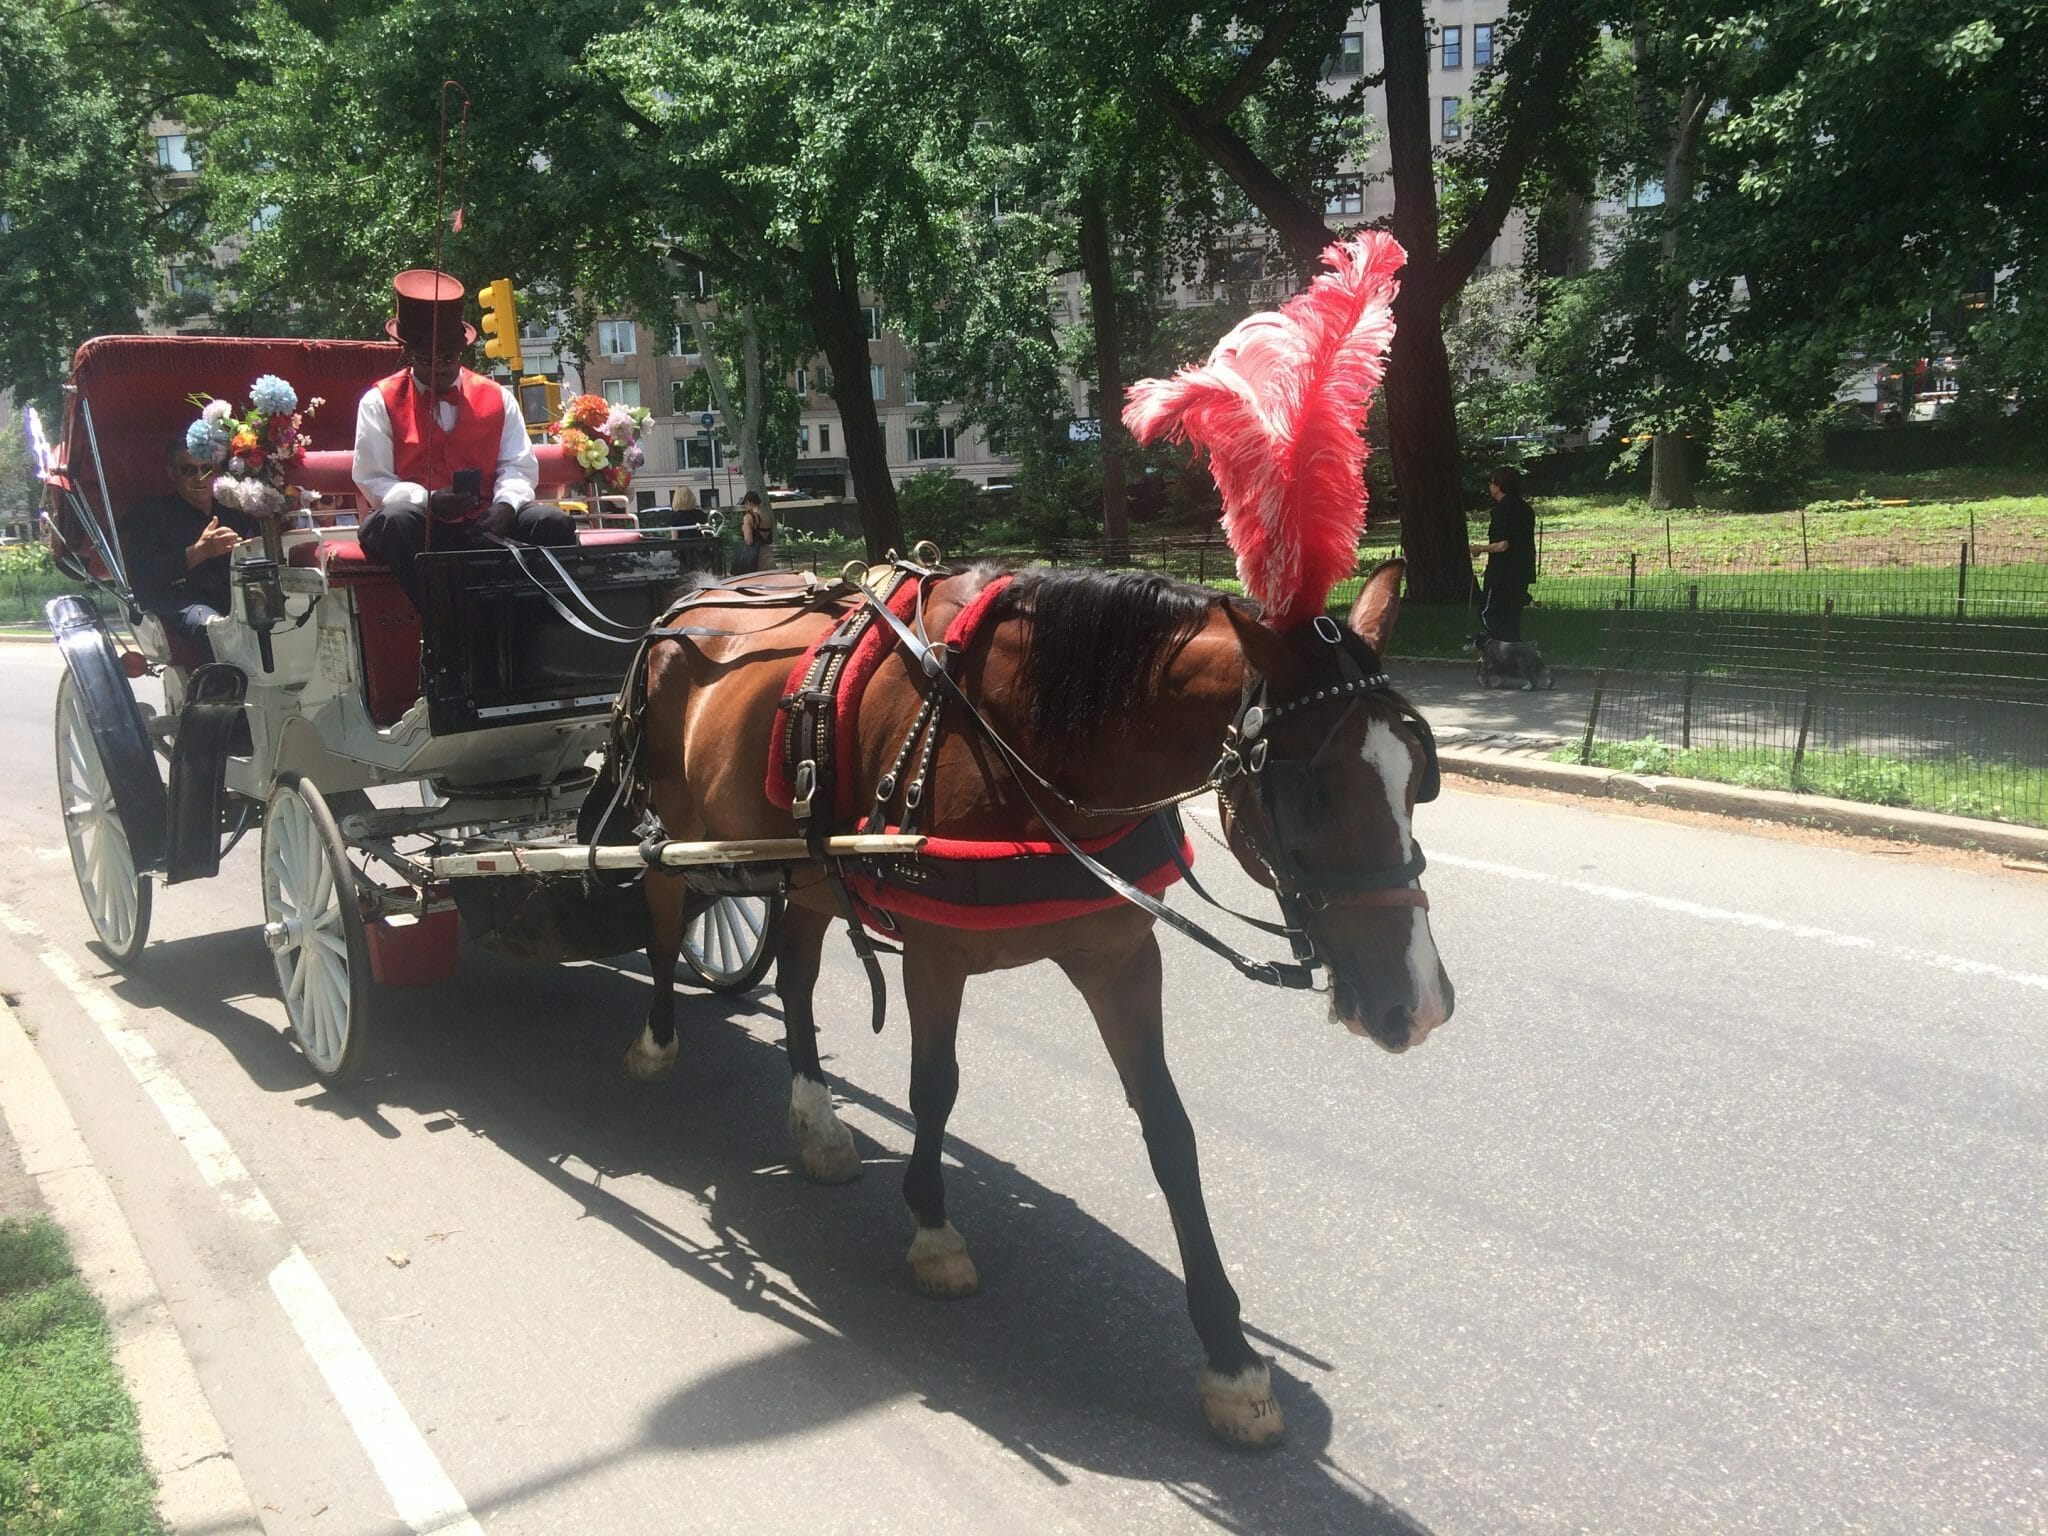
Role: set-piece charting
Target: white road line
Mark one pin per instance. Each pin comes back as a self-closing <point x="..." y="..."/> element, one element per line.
<point x="1755" y="920"/>
<point x="426" y="1499"/>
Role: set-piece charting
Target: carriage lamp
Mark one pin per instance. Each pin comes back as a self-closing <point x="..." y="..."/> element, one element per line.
<point x="262" y="584"/>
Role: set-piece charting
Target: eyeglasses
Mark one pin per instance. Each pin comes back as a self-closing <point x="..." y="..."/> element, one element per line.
<point x="192" y="471"/>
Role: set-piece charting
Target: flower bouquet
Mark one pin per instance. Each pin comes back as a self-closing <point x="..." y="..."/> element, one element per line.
<point x="604" y="441"/>
<point x="256" y="450"/>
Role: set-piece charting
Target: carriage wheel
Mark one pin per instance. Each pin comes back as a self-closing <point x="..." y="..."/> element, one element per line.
<point x="313" y="925"/>
<point x="731" y="943"/>
<point x="116" y="894"/>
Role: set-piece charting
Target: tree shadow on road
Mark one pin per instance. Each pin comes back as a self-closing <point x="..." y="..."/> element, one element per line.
<point x="1078" y="1354"/>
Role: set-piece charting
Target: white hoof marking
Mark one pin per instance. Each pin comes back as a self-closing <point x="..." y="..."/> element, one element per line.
<point x="1241" y="1409"/>
<point x="823" y="1140"/>
<point x="939" y="1262"/>
<point x="647" y="1062"/>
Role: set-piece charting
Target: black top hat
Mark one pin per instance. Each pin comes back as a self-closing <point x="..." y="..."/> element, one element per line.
<point x="429" y="309"/>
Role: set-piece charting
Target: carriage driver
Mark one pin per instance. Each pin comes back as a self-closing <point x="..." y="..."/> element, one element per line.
<point x="413" y="464"/>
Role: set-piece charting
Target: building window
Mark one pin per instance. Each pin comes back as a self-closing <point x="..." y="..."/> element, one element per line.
<point x="1349" y="59"/>
<point x="878" y="380"/>
<point x="191" y="282"/>
<point x="643" y="501"/>
<point x="931" y="442"/>
<point x="1452" y="106"/>
<point x="871" y="321"/>
<point x="696" y="452"/>
<point x="1482" y="46"/>
<point x="615" y="338"/>
<point x="910" y="394"/>
<point x="1346" y="195"/>
<point x="174" y="152"/>
<point x="675" y="344"/>
<point x="1454" y="47"/>
<point x="264" y="218"/>
<point x="803" y="381"/>
<point x="824" y="437"/>
<point x="622" y="391"/>
<point x="803" y="439"/>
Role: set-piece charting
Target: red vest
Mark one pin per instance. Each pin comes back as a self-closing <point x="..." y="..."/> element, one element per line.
<point x="422" y="453"/>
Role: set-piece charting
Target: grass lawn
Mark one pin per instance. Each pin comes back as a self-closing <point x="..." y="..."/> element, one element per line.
<point x="70" y="1458"/>
<point x="1960" y="786"/>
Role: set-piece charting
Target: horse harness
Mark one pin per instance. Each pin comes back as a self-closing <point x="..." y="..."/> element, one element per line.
<point x="1281" y="788"/>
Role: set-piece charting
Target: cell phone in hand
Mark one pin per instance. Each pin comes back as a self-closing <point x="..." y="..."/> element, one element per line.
<point x="468" y="482"/>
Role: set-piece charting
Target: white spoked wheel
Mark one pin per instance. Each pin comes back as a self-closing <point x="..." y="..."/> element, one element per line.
<point x="731" y="943"/>
<point x="116" y="894"/>
<point x="313" y="926"/>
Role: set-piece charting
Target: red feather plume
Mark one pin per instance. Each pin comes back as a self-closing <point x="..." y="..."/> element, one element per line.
<point x="1279" y="408"/>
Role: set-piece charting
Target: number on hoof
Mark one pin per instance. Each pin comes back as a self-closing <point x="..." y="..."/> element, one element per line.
<point x="1240" y="1408"/>
<point x="826" y="1145"/>
<point x="647" y="1062"/>
<point x="939" y="1262"/>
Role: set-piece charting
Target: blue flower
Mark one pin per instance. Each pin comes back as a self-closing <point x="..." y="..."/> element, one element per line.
<point x="272" y="396"/>
<point x="205" y="441"/>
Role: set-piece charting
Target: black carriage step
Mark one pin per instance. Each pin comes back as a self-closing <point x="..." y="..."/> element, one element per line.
<point x="211" y="729"/>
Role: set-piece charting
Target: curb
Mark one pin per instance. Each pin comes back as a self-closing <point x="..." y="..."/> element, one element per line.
<point x="1850" y="816"/>
<point x="199" y="1487"/>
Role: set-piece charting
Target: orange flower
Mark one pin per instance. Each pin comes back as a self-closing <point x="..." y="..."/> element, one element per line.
<point x="243" y="441"/>
<point x="572" y="439"/>
<point x="589" y="412"/>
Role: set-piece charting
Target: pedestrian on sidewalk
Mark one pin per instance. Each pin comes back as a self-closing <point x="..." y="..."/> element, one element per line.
<point x="1510" y="551"/>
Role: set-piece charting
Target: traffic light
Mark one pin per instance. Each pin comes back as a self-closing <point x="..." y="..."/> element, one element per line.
<point x="501" y="323"/>
<point x="540" y="403"/>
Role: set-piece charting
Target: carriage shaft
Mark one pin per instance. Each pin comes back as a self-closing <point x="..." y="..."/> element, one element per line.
<point x="577" y="857"/>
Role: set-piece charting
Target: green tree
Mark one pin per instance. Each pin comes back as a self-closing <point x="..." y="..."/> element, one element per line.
<point x="79" y="228"/>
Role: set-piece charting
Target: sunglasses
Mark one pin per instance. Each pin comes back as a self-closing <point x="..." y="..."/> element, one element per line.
<point x="192" y="471"/>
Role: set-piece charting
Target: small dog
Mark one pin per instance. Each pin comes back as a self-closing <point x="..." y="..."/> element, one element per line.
<point x="1513" y="663"/>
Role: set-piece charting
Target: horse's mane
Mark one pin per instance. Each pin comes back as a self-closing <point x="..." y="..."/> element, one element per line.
<point x="1098" y="642"/>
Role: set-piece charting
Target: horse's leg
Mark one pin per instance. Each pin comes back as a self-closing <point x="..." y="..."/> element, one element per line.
<point x="825" y="1144"/>
<point x="1123" y="992"/>
<point x="933" y="982"/>
<point x="652" y="1055"/>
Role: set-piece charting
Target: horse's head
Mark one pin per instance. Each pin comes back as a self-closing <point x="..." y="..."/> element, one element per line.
<point x="1326" y="766"/>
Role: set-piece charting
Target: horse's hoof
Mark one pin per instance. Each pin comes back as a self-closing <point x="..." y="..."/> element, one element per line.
<point x="647" y="1062"/>
<point x="832" y="1165"/>
<point x="825" y="1144"/>
<point x="939" y="1262"/>
<point x="1240" y="1409"/>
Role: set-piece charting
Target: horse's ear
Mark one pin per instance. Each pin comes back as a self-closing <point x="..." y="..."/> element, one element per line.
<point x="1379" y="602"/>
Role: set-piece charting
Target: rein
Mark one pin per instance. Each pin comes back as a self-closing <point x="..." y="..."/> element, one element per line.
<point x="1245" y="753"/>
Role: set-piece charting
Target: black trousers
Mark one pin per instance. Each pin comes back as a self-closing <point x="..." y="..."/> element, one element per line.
<point x="1501" y="618"/>
<point x="397" y="537"/>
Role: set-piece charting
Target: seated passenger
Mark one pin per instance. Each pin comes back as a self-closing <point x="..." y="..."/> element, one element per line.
<point x="177" y="548"/>
<point x="425" y="473"/>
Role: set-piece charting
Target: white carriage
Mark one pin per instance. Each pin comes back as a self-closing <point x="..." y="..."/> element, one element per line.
<point x="409" y="781"/>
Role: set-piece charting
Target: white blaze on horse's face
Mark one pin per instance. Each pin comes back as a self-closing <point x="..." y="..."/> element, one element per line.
<point x="1392" y="760"/>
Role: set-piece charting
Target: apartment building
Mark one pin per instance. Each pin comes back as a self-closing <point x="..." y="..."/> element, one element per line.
<point x="632" y="365"/>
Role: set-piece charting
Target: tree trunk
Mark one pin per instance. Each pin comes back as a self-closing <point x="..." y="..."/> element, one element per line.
<point x="1098" y="266"/>
<point x="741" y="424"/>
<point x="750" y="423"/>
<point x="1422" y="409"/>
<point x="1422" y="427"/>
<point x="832" y="279"/>
<point x="1670" y="469"/>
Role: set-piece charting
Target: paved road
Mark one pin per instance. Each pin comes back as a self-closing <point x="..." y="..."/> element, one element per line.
<point x="1716" y="1208"/>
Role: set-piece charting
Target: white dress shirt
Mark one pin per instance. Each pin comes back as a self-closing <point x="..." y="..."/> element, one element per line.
<point x="518" y="467"/>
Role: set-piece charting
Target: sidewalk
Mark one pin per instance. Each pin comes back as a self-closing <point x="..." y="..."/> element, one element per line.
<point x="1507" y="736"/>
<point x="46" y="1168"/>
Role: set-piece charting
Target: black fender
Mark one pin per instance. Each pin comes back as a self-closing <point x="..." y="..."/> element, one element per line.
<point x="208" y="723"/>
<point x="115" y="720"/>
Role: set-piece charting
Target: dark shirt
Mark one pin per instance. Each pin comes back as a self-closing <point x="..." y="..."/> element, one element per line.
<point x="154" y="540"/>
<point x="1514" y="523"/>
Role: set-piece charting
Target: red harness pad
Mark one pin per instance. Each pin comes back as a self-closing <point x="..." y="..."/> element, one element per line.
<point x="954" y="883"/>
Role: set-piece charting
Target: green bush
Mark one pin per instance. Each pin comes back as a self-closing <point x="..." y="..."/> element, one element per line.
<point x="939" y="506"/>
<point x="1762" y="457"/>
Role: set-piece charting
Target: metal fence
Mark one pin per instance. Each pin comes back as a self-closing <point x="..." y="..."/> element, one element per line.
<point x="1942" y="713"/>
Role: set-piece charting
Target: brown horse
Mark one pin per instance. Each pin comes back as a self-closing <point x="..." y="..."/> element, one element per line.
<point x="1118" y="689"/>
